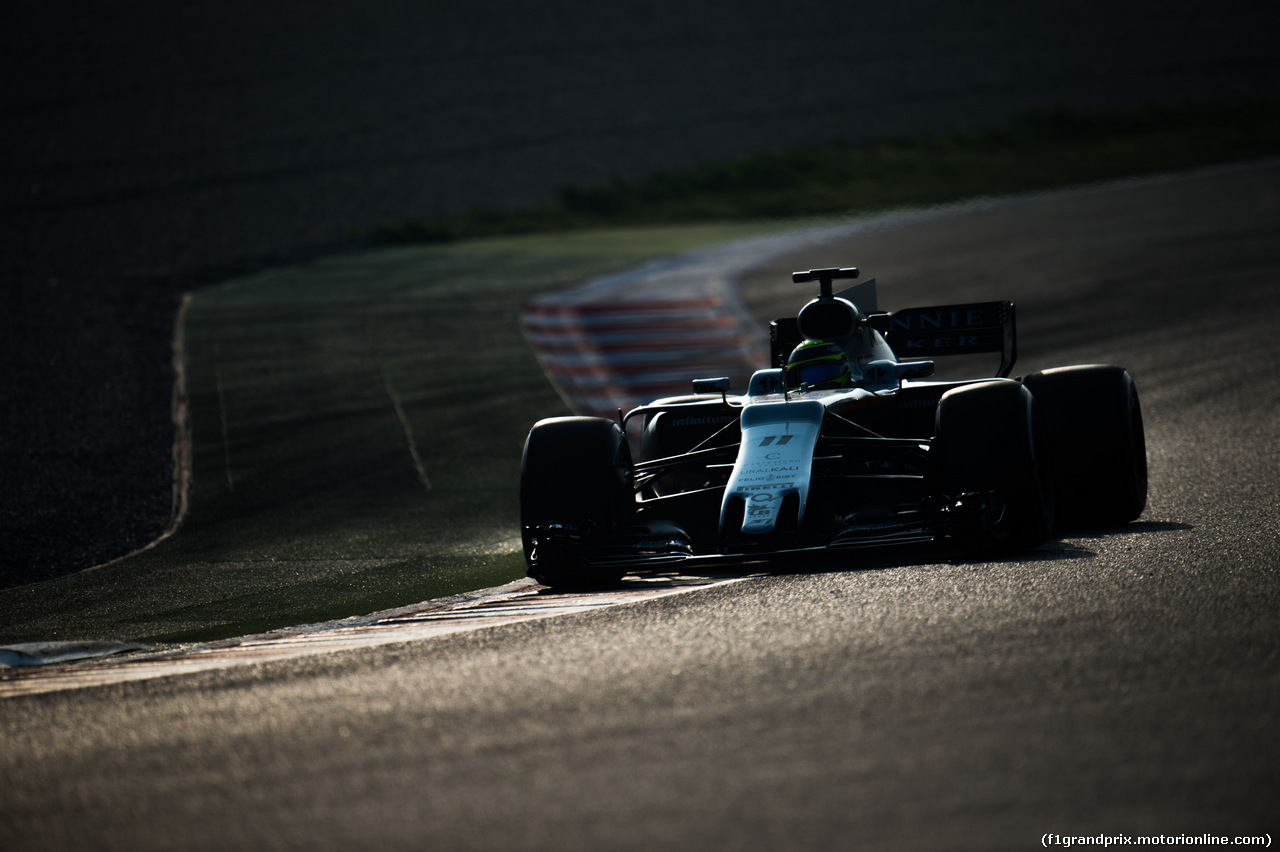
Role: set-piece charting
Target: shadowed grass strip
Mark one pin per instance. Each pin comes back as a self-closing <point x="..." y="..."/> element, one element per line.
<point x="1041" y="149"/>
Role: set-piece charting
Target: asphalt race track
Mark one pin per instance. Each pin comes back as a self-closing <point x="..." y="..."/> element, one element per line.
<point x="1114" y="681"/>
<point x="1119" y="682"/>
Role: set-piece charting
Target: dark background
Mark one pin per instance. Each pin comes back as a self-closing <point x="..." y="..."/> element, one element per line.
<point x="149" y="148"/>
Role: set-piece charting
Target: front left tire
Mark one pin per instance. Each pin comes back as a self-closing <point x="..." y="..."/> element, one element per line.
<point x="575" y="490"/>
<point x="989" y="446"/>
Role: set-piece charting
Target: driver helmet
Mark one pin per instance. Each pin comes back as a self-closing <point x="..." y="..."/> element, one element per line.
<point x="820" y="365"/>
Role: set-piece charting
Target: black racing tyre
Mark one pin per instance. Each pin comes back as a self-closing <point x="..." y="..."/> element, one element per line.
<point x="1096" y="439"/>
<point x="576" y="472"/>
<point x="988" y="439"/>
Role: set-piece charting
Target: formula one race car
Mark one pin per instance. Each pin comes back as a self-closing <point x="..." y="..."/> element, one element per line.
<point x="838" y="445"/>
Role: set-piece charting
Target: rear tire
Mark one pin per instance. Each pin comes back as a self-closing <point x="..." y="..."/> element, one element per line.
<point x="1096" y="440"/>
<point x="575" y="476"/>
<point x="988" y="440"/>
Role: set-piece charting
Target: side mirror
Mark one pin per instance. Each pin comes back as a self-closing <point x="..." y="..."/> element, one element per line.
<point x="914" y="370"/>
<point x="720" y="385"/>
<point x="884" y="375"/>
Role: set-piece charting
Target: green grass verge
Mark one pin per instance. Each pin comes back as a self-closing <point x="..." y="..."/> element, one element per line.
<point x="357" y="423"/>
<point x="1038" y="150"/>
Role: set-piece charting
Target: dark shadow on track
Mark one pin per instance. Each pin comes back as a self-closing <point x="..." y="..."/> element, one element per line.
<point x="1060" y="548"/>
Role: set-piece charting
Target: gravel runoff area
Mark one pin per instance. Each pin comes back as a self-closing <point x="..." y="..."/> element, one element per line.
<point x="151" y="149"/>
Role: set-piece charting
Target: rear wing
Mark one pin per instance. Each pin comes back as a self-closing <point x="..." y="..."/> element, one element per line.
<point x="968" y="329"/>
